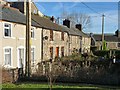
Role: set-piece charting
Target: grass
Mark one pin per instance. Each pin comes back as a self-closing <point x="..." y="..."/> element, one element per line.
<point x="36" y="86"/>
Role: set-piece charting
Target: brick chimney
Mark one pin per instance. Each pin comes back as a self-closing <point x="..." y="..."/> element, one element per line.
<point x="117" y="33"/>
<point x="66" y="22"/>
<point x="79" y="26"/>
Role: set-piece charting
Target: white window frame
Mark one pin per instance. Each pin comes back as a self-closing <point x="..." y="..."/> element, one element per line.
<point x="35" y="11"/>
<point x="8" y="47"/>
<point x="20" y="47"/>
<point x="33" y="61"/>
<point x="7" y="28"/>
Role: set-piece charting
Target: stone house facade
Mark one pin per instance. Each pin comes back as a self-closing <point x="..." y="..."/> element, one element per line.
<point x="78" y="38"/>
<point x="112" y="40"/>
<point x="48" y="40"/>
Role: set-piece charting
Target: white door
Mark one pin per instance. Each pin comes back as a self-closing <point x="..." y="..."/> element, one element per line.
<point x="21" y="58"/>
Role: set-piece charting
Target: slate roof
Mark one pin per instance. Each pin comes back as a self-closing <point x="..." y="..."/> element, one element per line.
<point x="107" y="37"/>
<point x="14" y="15"/>
<point x="79" y="32"/>
<point x="46" y="23"/>
<point x="70" y="31"/>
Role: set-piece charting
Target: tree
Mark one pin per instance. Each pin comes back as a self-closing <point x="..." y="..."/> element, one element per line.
<point x="77" y="18"/>
<point x="104" y="45"/>
<point x="53" y="70"/>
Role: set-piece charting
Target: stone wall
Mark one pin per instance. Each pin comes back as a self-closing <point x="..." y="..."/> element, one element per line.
<point x="9" y="75"/>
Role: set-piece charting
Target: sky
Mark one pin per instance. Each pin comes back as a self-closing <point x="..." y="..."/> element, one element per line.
<point x="94" y="9"/>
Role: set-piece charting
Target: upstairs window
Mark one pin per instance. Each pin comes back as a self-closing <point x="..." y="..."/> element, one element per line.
<point x="7" y="54"/>
<point x="7" y="30"/>
<point x="35" y="11"/>
<point x="51" y="35"/>
<point x="62" y="36"/>
<point x="32" y="33"/>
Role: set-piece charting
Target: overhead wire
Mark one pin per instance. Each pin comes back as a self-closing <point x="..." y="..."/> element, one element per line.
<point x="93" y="10"/>
<point x="109" y="17"/>
<point x="90" y="8"/>
<point x="99" y="13"/>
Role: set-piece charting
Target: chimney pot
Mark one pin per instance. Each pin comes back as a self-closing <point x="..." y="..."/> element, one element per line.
<point x="79" y="26"/>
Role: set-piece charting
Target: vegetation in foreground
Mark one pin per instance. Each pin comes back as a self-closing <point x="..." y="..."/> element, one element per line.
<point x="57" y="87"/>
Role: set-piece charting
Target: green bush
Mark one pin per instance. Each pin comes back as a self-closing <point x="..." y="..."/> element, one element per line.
<point x="102" y="53"/>
<point x="117" y="54"/>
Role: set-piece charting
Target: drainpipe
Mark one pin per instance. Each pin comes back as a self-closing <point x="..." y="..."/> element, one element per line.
<point x="69" y="44"/>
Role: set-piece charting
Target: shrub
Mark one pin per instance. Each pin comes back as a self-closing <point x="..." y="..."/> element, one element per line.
<point x="102" y="53"/>
<point x="117" y="54"/>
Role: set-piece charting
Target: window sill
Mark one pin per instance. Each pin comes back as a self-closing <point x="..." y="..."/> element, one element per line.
<point x="9" y="37"/>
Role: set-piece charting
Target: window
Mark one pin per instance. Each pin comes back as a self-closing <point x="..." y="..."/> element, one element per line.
<point x="62" y="36"/>
<point x="8" y="56"/>
<point x="51" y="35"/>
<point x="32" y="54"/>
<point x="62" y="51"/>
<point x="32" y="33"/>
<point x="7" y="30"/>
<point x="35" y="11"/>
<point x="51" y="52"/>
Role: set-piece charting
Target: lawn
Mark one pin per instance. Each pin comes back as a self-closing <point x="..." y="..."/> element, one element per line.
<point x="36" y="86"/>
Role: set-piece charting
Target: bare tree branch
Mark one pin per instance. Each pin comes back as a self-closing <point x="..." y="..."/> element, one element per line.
<point x="77" y="18"/>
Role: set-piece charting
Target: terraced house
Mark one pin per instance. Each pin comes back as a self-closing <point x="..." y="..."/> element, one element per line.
<point x="112" y="40"/>
<point x="48" y="39"/>
<point x="12" y="39"/>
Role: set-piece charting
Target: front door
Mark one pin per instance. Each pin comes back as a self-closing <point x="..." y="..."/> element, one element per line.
<point x="21" y="58"/>
<point x="57" y="51"/>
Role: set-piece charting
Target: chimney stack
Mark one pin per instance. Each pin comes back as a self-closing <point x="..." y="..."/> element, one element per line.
<point x="117" y="33"/>
<point x="66" y="22"/>
<point x="52" y="19"/>
<point x="79" y="27"/>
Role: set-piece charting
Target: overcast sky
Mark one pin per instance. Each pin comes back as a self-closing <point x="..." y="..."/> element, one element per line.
<point x="94" y="9"/>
